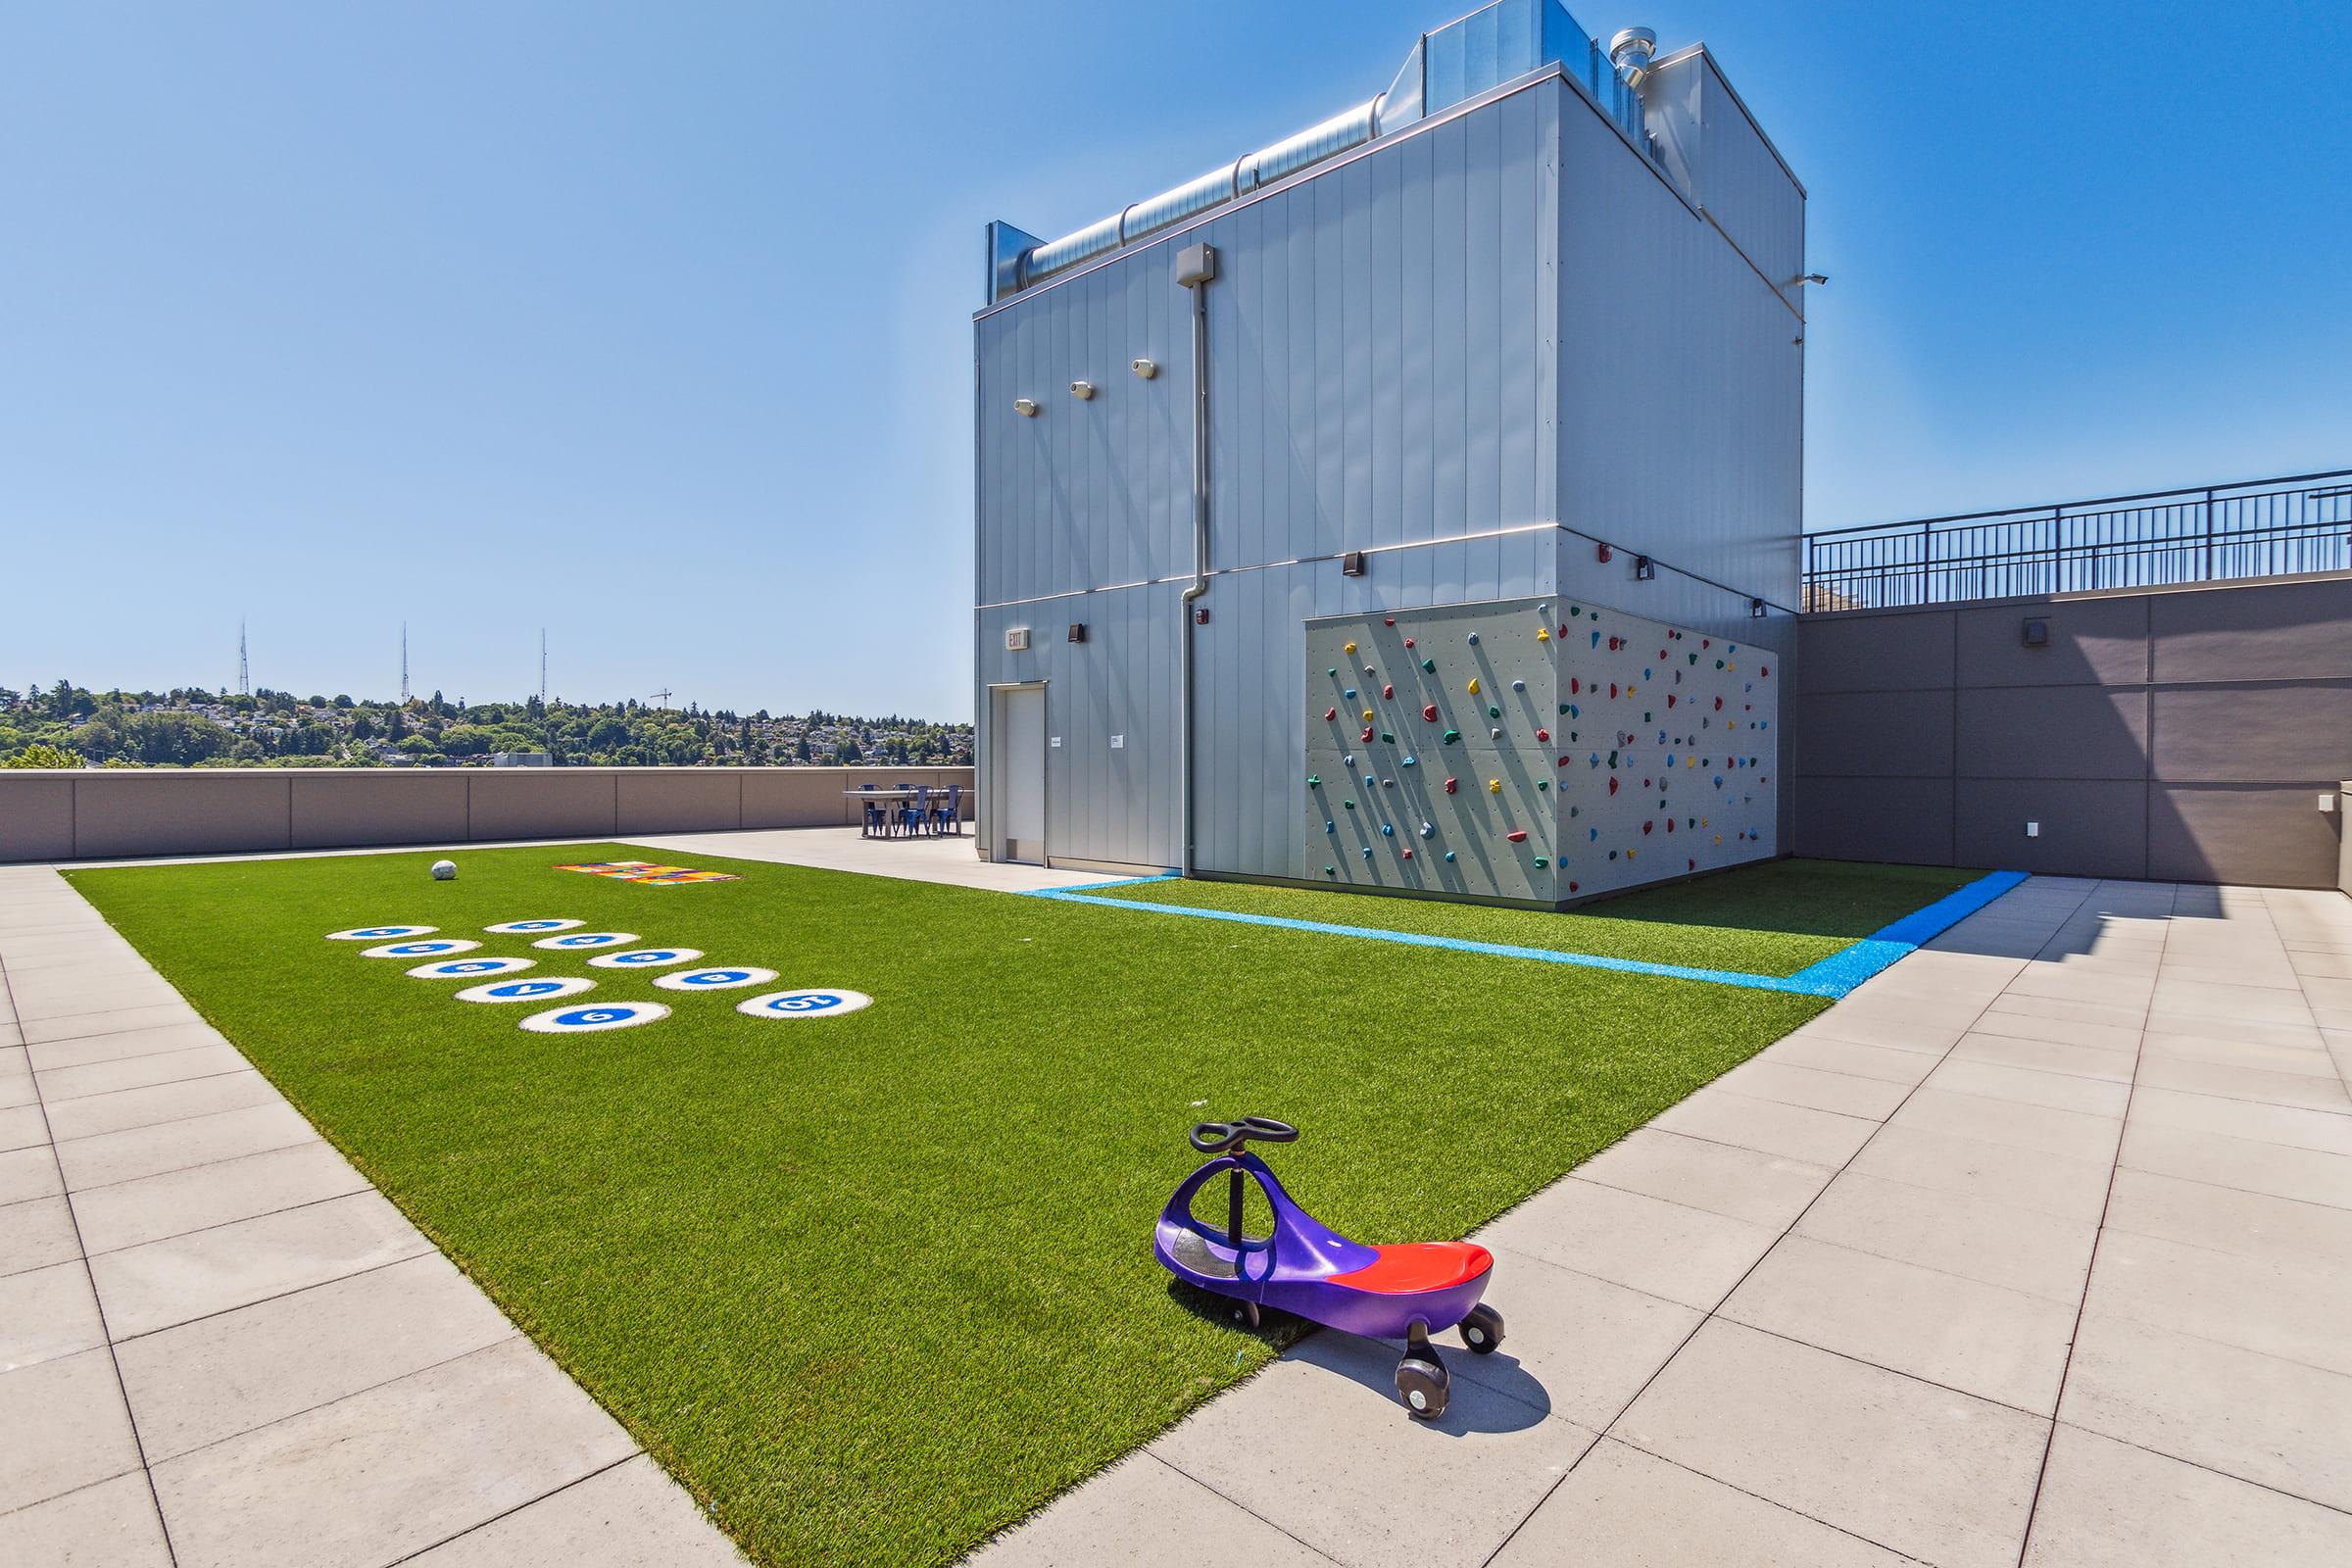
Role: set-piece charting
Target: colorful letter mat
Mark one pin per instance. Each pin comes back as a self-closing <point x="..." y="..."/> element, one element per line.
<point x="650" y="874"/>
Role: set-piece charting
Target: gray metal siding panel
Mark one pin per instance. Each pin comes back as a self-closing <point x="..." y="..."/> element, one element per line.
<point x="1746" y="188"/>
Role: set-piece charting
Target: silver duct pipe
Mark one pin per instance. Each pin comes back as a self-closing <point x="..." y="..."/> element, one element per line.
<point x="1196" y="269"/>
<point x="1246" y="174"/>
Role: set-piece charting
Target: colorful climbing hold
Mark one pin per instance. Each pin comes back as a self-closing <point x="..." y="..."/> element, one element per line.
<point x="1408" y="642"/>
<point x="1543" y="736"/>
<point x="1474" y="639"/>
<point x="1541" y="863"/>
<point x="1387" y="738"/>
<point x="1387" y="620"/>
<point x="1428" y="829"/>
<point x="1452" y="736"/>
<point x="1543" y="634"/>
<point x="1350" y="649"/>
<point x="1408" y="855"/>
<point x="1388" y="691"/>
<point x="1474" y="685"/>
<point x="1428" y="665"/>
<point x="1367" y="735"/>
<point x="1492" y="712"/>
<point x="1429" y="710"/>
<point x="1331" y="713"/>
<point x="1517" y="835"/>
<point x="1388" y="830"/>
<point x="1314" y="781"/>
<point x="1449" y="854"/>
<point x="1367" y="715"/>
<point x="1450" y="784"/>
<point x="1329" y="826"/>
<point x="1493" y="786"/>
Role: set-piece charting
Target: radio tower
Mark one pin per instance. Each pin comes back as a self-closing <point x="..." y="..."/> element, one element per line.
<point x="244" y="682"/>
<point x="404" y="664"/>
<point x="543" y="667"/>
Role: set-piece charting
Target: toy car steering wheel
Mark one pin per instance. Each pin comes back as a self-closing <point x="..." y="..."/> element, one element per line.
<point x="1222" y="1137"/>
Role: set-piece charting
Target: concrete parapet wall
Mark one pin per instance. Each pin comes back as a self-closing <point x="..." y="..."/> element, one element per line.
<point x="119" y="813"/>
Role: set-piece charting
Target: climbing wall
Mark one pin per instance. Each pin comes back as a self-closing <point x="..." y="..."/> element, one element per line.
<point x="1531" y="749"/>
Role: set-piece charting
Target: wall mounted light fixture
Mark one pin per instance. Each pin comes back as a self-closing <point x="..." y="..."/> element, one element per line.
<point x="1026" y="407"/>
<point x="1644" y="568"/>
<point x="1083" y="391"/>
<point x="1351" y="565"/>
<point x="2036" y="632"/>
<point x="1755" y="609"/>
<point x="1144" y="369"/>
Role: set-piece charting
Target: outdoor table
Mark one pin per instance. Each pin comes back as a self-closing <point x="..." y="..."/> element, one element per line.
<point x="938" y="793"/>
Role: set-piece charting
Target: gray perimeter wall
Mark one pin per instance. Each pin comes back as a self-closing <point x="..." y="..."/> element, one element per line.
<point x="2182" y="735"/>
<point x="108" y="813"/>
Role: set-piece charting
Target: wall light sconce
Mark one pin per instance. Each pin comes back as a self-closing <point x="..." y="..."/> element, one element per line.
<point x="1077" y="631"/>
<point x="2036" y="632"/>
<point x="1605" y="554"/>
<point x="1351" y="565"/>
<point x="1144" y="369"/>
<point x="1083" y="391"/>
<point x="1755" y="609"/>
<point x="1026" y="407"/>
<point x="1644" y="568"/>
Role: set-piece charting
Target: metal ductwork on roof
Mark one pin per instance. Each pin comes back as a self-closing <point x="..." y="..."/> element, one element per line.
<point x="1484" y="49"/>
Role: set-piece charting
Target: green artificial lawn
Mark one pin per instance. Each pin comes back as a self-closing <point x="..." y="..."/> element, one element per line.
<point x="1771" y="919"/>
<point x="878" y="1285"/>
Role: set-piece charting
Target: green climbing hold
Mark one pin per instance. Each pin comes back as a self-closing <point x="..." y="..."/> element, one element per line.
<point x="1452" y="736"/>
<point x="1573" y="811"/>
<point x="1492" y="712"/>
<point x="1314" y="781"/>
<point x="1563" y="707"/>
<point x="1541" y="863"/>
<point x="1350" y="804"/>
<point x="1333" y="673"/>
<point x="1386" y="736"/>
<point x="1543" y="783"/>
<point x="1428" y="665"/>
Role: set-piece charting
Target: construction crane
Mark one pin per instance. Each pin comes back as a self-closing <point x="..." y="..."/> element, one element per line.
<point x="663" y="697"/>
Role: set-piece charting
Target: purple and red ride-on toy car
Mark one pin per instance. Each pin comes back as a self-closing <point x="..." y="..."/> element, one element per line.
<point x="1303" y="1266"/>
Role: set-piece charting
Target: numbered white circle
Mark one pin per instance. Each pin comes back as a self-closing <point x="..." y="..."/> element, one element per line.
<point x="578" y="940"/>
<point x="805" y="1004"/>
<point x="519" y="928"/>
<point x="713" y="979"/>
<point x="438" y="947"/>
<point x="545" y="989"/>
<point x="594" y="1015"/>
<point x="473" y="968"/>
<point x="381" y="933"/>
<point x="647" y="959"/>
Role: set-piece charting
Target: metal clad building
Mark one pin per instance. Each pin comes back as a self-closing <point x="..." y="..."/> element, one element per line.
<point x="1521" y="305"/>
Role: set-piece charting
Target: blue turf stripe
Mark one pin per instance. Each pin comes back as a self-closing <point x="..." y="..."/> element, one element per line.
<point x="1833" y="976"/>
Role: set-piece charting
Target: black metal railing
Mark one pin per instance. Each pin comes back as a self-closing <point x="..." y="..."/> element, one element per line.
<point x="2264" y="529"/>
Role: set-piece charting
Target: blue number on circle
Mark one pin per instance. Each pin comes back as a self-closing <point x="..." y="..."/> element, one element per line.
<point x="808" y="1003"/>
<point x="713" y="977"/>
<point x="473" y="967"/>
<point x="580" y="1015"/>
<point x="383" y="931"/>
<point x="524" y="988"/>
<point x="538" y="925"/>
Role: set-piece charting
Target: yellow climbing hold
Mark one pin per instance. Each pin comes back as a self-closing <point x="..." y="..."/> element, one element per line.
<point x="1351" y="648"/>
<point x="1543" y="634"/>
<point x="1474" y="685"/>
<point x="1493" y="786"/>
<point x="1719" y="838"/>
<point x="1367" y="715"/>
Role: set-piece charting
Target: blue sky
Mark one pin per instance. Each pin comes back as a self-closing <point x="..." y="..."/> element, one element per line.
<point x="651" y="324"/>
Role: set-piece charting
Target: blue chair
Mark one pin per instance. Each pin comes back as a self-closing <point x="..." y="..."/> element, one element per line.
<point x="949" y="819"/>
<point x="916" y="816"/>
<point x="877" y="825"/>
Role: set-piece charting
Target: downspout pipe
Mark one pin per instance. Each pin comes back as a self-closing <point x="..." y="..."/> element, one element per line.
<point x="1196" y="269"/>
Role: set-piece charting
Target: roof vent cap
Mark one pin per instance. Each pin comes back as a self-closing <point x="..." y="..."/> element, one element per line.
<point x="1630" y="51"/>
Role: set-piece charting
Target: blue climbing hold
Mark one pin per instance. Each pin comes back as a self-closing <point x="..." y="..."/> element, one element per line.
<point x="1388" y="830"/>
<point x="1449" y="854"/>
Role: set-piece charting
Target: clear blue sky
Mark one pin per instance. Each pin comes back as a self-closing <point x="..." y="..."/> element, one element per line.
<point x="651" y="322"/>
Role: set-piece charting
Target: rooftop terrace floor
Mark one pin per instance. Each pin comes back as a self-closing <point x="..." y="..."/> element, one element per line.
<point x="2034" y="1247"/>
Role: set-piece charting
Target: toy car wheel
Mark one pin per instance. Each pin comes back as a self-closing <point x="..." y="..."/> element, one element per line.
<point x="1422" y="1386"/>
<point x="1482" y="1330"/>
<point x="1247" y="1312"/>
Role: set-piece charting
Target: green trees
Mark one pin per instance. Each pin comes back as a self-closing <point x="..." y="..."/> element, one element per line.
<point x="40" y="754"/>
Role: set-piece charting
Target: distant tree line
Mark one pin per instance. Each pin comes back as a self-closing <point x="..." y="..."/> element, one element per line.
<point x="64" y="725"/>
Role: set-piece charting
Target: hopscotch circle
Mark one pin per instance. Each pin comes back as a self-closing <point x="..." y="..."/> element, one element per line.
<point x="438" y="947"/>
<point x="541" y="990"/>
<point x="517" y="928"/>
<point x="381" y="933"/>
<point x="473" y="968"/>
<point x="594" y="1017"/>
<point x="646" y="958"/>
<point x="713" y="979"/>
<point x="805" y="1004"/>
<point x="588" y="939"/>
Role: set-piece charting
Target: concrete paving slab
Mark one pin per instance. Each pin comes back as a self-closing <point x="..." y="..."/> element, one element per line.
<point x="2107" y="1504"/>
<point x="87" y="993"/>
<point x="1816" y="1136"/>
<point x="1972" y="1237"/>
<point x="2165" y="1021"/>
<point x="186" y="1277"/>
<point x="36" y="1234"/>
<point x="1747" y="1184"/>
<point x="46" y="1313"/>
<point x="153" y="1207"/>
<point x="2042" y="1056"/>
<point x="81" y="1026"/>
<point x="2058" y="1030"/>
<point x="2199" y="998"/>
<point x="2293" y="1126"/>
<point x="2031" y="1086"/>
<point x="1984" y="1340"/>
<point x="2109" y="1015"/>
<point x="1871" y="1099"/>
<point x="1922" y="1470"/>
<point x="411" y="1464"/>
<point x="137" y="1152"/>
<point x="222" y="1375"/>
<point x="1628" y="1509"/>
<point x="2259" y="1084"/>
<point x="2294" y="1310"/>
<point x="2312" y="1061"/>
<point x="2250" y="1165"/>
<point x="50" y="1056"/>
<point x="2276" y="1423"/>
<point x="125" y="1109"/>
<point x="2014" y="1122"/>
<point x="1095" y="1526"/>
<point x="111" y="1524"/>
<point x="1669" y="1250"/>
<point x="2221" y="1219"/>
<point x="66" y="1428"/>
<point x="61" y="1084"/>
<point x="1887" y="1063"/>
<point x="28" y="1173"/>
<point x="1892" y="1034"/>
<point x="23" y="1127"/>
<point x="1588" y="1344"/>
<point x="1354" y="1480"/>
<point x="2061" y="1184"/>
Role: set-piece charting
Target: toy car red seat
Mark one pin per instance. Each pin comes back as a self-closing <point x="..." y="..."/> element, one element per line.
<point x="1408" y="1267"/>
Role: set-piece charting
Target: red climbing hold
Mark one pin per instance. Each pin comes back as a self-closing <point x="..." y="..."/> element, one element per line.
<point x="1612" y="688"/>
<point x="1572" y="887"/>
<point x="1612" y="783"/>
<point x="1616" y="643"/>
<point x="1542" y="735"/>
<point x="1563" y="761"/>
<point x="1387" y="620"/>
<point x="1574" y="686"/>
<point x="1429" y="710"/>
<point x="1718" y="705"/>
<point x="1765" y="669"/>
<point x="1687" y="865"/>
<point x="1646" y="827"/>
<point x="1706" y="642"/>
<point x="1388" y="691"/>
<point x="1330" y="713"/>
<point x="1670" y="699"/>
<point x="1449" y="784"/>
<point x="1367" y="732"/>
<point x="1670" y="824"/>
<point x="1517" y="835"/>
<point x="1408" y="855"/>
<point x="1408" y="642"/>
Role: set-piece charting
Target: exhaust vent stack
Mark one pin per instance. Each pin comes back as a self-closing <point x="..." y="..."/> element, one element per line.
<point x="1630" y="51"/>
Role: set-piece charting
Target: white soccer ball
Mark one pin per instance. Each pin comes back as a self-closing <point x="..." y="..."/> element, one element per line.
<point x="444" y="870"/>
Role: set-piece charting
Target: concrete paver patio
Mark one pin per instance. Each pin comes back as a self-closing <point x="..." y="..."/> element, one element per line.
<point x="2035" y="1248"/>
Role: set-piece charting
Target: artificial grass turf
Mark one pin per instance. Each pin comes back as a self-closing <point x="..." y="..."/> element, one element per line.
<point x="875" y="1285"/>
<point x="1773" y="918"/>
